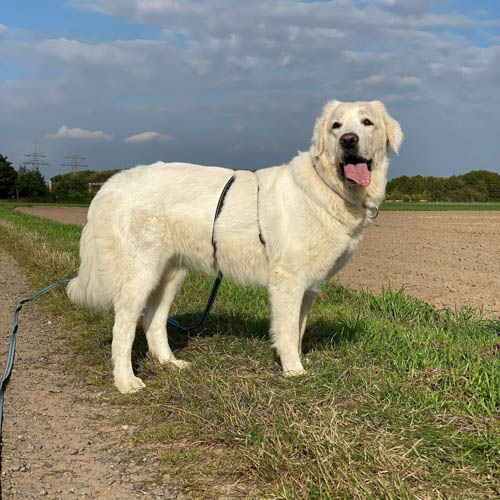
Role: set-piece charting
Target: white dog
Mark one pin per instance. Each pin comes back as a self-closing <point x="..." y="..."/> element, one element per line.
<point x="289" y="228"/>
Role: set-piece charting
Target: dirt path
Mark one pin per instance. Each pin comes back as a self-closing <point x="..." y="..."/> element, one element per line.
<point x="59" y="439"/>
<point x="446" y="258"/>
<point x="66" y="215"/>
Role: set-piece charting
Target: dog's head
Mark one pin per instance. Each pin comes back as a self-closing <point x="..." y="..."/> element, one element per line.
<point x="352" y="137"/>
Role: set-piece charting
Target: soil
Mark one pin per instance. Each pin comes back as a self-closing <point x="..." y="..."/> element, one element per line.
<point x="61" y="439"/>
<point x="66" y="215"/>
<point x="446" y="258"/>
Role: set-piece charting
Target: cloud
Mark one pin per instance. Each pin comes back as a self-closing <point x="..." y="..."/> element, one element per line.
<point x="3" y="28"/>
<point x="77" y="133"/>
<point x="274" y="46"/>
<point x="148" y="136"/>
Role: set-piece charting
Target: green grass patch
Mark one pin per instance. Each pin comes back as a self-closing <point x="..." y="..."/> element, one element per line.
<point x="400" y="400"/>
<point x="439" y="207"/>
<point x="61" y="237"/>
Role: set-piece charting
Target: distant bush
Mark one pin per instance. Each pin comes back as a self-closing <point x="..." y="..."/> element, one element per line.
<point x="74" y="187"/>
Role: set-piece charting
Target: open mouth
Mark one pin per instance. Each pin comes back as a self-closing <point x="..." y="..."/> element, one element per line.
<point x="357" y="169"/>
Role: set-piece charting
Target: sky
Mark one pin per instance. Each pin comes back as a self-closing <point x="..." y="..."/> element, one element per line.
<point x="239" y="83"/>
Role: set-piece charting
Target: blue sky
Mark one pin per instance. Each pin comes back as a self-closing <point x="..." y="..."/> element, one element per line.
<point x="238" y="83"/>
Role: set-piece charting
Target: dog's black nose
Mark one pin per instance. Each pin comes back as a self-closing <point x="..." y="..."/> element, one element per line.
<point x="349" y="140"/>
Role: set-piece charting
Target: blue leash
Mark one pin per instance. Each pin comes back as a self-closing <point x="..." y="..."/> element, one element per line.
<point x="12" y="345"/>
<point x="211" y="299"/>
<point x="15" y="323"/>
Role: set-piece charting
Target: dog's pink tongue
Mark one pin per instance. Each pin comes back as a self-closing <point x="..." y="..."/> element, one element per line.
<point x="358" y="173"/>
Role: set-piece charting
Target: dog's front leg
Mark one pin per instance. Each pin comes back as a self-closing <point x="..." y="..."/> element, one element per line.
<point x="285" y="296"/>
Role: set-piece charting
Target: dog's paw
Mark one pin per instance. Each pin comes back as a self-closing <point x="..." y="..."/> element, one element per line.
<point x="294" y="373"/>
<point x="180" y="364"/>
<point x="293" y="370"/>
<point x="129" y="385"/>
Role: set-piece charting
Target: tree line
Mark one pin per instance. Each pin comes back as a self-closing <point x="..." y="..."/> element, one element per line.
<point x="475" y="186"/>
<point x="29" y="184"/>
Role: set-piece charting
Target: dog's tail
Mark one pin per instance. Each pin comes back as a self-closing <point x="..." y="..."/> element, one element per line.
<point x="90" y="289"/>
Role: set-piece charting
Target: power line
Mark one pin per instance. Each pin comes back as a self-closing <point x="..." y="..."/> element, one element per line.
<point x="74" y="162"/>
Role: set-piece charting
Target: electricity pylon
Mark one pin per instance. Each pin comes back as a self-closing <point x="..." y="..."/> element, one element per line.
<point x="74" y="162"/>
<point x="34" y="160"/>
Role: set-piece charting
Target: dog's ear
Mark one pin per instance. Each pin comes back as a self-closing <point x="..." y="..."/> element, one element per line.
<point x="318" y="138"/>
<point x="394" y="133"/>
<point x="392" y="127"/>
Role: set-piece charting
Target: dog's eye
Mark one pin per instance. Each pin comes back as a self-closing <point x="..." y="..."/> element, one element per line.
<point x="367" y="122"/>
<point x="336" y="125"/>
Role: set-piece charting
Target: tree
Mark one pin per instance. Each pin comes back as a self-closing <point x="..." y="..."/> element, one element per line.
<point x="32" y="184"/>
<point x="70" y="187"/>
<point x="477" y="185"/>
<point x="75" y="186"/>
<point x="8" y="177"/>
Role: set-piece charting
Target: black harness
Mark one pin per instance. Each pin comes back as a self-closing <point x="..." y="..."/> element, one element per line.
<point x="218" y="210"/>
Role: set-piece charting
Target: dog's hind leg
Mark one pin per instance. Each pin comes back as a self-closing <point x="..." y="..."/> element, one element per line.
<point x="286" y="296"/>
<point x="156" y="314"/>
<point x="137" y="280"/>
<point x="126" y="316"/>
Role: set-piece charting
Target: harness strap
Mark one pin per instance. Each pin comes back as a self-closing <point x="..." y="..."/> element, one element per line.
<point x="222" y="197"/>
<point x="261" y="238"/>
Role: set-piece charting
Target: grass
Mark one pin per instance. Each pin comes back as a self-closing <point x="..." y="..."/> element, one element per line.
<point x="440" y="207"/>
<point x="401" y="400"/>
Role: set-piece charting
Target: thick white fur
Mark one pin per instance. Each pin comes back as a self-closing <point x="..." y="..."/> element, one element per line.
<point x="148" y="225"/>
